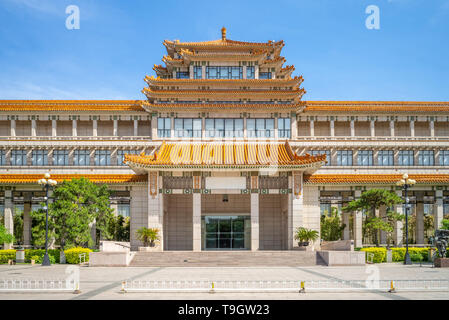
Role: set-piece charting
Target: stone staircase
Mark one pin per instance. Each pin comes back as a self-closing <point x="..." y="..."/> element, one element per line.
<point x="226" y="259"/>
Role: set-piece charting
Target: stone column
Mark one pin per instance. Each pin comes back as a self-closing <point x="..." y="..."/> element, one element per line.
<point x="172" y="127"/>
<point x="254" y="221"/>
<point x="256" y="71"/>
<point x="346" y="233"/>
<point x="191" y="71"/>
<point x="8" y="216"/>
<point x="94" y="127"/>
<point x="438" y="209"/>
<point x="33" y="128"/>
<point x="136" y="127"/>
<point x="13" y="128"/>
<point x="203" y="127"/>
<point x="114" y="206"/>
<point x="203" y="72"/>
<point x="357" y="224"/>
<point x="155" y="206"/>
<point x="294" y="126"/>
<point x="244" y="72"/>
<point x="312" y="128"/>
<point x="115" y="128"/>
<point x="332" y="128"/>
<point x="383" y="215"/>
<point x="432" y="128"/>
<point x="74" y="128"/>
<point x="27" y="219"/>
<point x="351" y="124"/>
<point x="419" y="219"/>
<point x="392" y="128"/>
<point x="276" y="128"/>
<point x="398" y="228"/>
<point x="53" y="128"/>
<point x="196" y="219"/>
<point x="138" y="213"/>
<point x="295" y="208"/>
<point x="93" y="232"/>
<point x="412" y="128"/>
<point x="372" y="128"/>
<point x="245" y="132"/>
<point x="153" y="128"/>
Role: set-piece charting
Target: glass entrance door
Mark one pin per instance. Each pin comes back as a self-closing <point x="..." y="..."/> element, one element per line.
<point x="225" y="232"/>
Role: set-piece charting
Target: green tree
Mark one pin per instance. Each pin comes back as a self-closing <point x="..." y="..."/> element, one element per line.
<point x="370" y="201"/>
<point x="76" y="204"/>
<point x="445" y="224"/>
<point x="5" y="237"/>
<point x="332" y="226"/>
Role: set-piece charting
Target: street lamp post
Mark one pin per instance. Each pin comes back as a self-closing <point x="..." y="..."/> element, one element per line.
<point x="47" y="183"/>
<point x="406" y="183"/>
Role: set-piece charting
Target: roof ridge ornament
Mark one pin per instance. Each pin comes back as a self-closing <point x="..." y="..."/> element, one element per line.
<point x="223" y="34"/>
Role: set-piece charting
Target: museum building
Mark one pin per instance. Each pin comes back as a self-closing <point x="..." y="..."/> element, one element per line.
<point x="224" y="153"/>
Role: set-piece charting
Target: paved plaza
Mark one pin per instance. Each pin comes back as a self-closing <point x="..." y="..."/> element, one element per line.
<point x="105" y="283"/>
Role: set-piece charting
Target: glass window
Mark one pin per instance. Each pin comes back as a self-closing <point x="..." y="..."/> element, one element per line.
<point x="121" y="156"/>
<point x="365" y="158"/>
<point x="284" y="129"/>
<point x="344" y="158"/>
<point x="325" y="209"/>
<point x="260" y="128"/>
<point x="182" y="75"/>
<point x="2" y="158"/>
<point x="197" y="72"/>
<point x="385" y="158"/>
<point x="188" y="128"/>
<point x="264" y="75"/>
<point x="230" y="128"/>
<point x="81" y="158"/>
<point x="123" y="209"/>
<point x="250" y="72"/>
<point x="60" y="157"/>
<point x="39" y="158"/>
<point x="102" y="158"/>
<point x="444" y="158"/>
<point x="406" y="158"/>
<point x="163" y="127"/>
<point x="224" y="72"/>
<point x="326" y="152"/>
<point x="18" y="158"/>
<point x="425" y="158"/>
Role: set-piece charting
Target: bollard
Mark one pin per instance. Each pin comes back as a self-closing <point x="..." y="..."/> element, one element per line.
<point x="122" y="290"/>
<point x="303" y="287"/>
<point x="77" y="288"/>
<point x="392" y="289"/>
<point x="212" y="290"/>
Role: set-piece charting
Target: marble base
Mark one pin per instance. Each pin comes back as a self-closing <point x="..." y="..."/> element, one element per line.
<point x="442" y="263"/>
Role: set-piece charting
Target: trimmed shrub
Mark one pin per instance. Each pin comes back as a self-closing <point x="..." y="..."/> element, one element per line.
<point x="380" y="254"/>
<point x="72" y="255"/>
<point x="6" y="255"/>
<point x="52" y="253"/>
<point x="398" y="254"/>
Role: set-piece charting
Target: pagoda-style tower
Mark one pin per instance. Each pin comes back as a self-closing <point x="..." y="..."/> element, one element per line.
<point x="223" y="73"/>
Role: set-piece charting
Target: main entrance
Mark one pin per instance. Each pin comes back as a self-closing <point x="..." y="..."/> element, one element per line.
<point x="225" y="232"/>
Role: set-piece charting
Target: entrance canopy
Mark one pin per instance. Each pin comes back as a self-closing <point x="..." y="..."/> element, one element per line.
<point x="224" y="155"/>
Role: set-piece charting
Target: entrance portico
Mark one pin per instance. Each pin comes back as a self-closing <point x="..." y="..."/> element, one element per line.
<point x="225" y="196"/>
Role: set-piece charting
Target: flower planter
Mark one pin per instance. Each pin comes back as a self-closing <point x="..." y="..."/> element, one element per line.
<point x="303" y="244"/>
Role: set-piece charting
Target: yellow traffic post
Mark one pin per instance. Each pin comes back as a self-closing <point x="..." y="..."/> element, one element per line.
<point x="303" y="287"/>
<point x="392" y="289"/>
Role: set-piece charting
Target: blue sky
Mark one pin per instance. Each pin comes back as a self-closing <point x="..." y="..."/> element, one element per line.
<point x="119" y="42"/>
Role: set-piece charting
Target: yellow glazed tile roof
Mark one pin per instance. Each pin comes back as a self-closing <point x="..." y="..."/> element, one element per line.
<point x="390" y="179"/>
<point x="70" y="105"/>
<point x="377" y="106"/>
<point x="224" y="155"/>
<point x="96" y="178"/>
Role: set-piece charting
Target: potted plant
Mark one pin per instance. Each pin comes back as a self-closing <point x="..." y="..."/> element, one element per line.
<point x="148" y="236"/>
<point x="304" y="236"/>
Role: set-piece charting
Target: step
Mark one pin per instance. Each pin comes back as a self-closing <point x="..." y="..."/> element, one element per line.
<point x="226" y="258"/>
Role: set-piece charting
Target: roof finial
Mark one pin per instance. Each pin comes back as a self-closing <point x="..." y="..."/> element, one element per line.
<point x="223" y="34"/>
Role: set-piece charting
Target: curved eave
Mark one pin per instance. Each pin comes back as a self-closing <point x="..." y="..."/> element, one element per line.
<point x="206" y="107"/>
<point x="285" y="167"/>
<point x="32" y="179"/>
<point x="374" y="179"/>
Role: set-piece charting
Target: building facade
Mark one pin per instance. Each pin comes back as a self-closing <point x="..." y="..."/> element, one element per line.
<point x="223" y="154"/>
